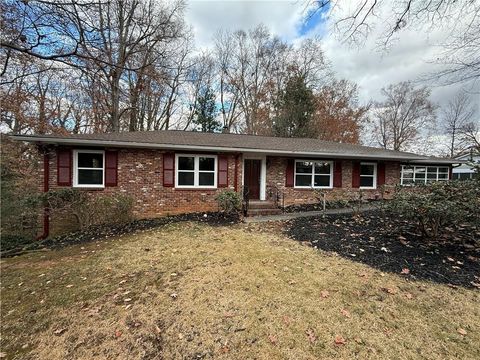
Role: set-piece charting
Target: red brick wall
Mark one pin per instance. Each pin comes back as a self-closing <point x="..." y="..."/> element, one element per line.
<point x="140" y="175"/>
<point x="276" y="176"/>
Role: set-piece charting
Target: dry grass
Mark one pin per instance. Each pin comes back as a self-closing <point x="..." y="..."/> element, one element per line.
<point x="192" y="291"/>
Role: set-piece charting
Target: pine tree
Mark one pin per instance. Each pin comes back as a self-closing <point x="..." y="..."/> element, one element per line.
<point x="295" y="109"/>
<point x="206" y="112"/>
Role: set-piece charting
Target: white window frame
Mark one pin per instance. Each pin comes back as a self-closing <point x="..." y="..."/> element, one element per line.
<point x="76" y="168"/>
<point x="374" y="175"/>
<point x="196" y="171"/>
<point x="414" y="167"/>
<point x="312" y="181"/>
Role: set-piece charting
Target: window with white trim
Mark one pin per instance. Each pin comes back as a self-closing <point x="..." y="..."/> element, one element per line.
<point x="194" y="171"/>
<point x="89" y="168"/>
<point x="423" y="174"/>
<point x="368" y="175"/>
<point x="316" y="174"/>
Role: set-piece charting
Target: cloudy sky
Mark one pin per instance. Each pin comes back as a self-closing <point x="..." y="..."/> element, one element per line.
<point x="368" y="66"/>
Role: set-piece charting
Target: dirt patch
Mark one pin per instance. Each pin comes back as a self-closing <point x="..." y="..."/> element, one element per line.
<point x="392" y="245"/>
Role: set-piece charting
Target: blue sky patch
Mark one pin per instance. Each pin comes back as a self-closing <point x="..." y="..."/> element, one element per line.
<point x="312" y="19"/>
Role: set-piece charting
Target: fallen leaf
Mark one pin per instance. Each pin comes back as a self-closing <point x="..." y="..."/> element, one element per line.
<point x="224" y="349"/>
<point x="118" y="333"/>
<point x="390" y="291"/>
<point x="173" y="295"/>
<point x="3" y="355"/>
<point x="228" y="314"/>
<point x="69" y="286"/>
<point x="339" y="340"/>
<point x="311" y="335"/>
<point x="273" y="339"/>
<point x="345" y="313"/>
<point x="59" y="332"/>
<point x="405" y="271"/>
<point x="287" y="320"/>
<point x="324" y="294"/>
<point x="409" y="296"/>
<point x="462" y="331"/>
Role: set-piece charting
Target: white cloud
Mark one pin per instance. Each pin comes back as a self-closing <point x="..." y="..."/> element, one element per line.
<point x="409" y="58"/>
<point x="208" y="16"/>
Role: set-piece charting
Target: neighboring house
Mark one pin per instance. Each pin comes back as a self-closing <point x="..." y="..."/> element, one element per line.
<point x="465" y="171"/>
<point x="170" y="172"/>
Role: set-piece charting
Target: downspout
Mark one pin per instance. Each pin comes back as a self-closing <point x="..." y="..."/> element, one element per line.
<point x="236" y="173"/>
<point x="46" y="177"/>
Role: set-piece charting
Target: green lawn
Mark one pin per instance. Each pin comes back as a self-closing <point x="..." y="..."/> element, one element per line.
<point x="190" y="291"/>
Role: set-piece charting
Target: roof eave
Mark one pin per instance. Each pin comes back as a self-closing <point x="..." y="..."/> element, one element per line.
<point x="129" y="144"/>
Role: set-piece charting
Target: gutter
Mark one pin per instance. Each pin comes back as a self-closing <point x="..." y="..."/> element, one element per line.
<point x="46" y="188"/>
<point x="128" y="144"/>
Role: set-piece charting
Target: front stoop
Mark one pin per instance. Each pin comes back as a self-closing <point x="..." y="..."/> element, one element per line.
<point x="259" y="207"/>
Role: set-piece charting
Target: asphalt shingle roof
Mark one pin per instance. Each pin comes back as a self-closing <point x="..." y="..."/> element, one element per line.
<point x="236" y="142"/>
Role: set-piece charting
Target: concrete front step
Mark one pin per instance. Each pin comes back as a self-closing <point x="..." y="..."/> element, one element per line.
<point x="261" y="212"/>
<point x="259" y="204"/>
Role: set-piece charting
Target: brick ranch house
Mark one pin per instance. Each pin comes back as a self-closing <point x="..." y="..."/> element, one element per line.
<point x="168" y="172"/>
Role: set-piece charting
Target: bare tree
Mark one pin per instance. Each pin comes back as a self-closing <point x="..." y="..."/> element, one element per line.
<point x="470" y="133"/>
<point x="459" y="19"/>
<point x="403" y="115"/>
<point x="456" y="117"/>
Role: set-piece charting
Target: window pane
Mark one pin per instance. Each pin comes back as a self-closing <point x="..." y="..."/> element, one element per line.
<point x="185" y="178"/>
<point x="90" y="160"/>
<point x="206" y="179"/>
<point x="432" y="175"/>
<point x="207" y="163"/>
<point x="432" y="169"/>
<point x="407" y="181"/>
<point x="90" y="177"/>
<point x="322" y="168"/>
<point x="366" y="169"/>
<point x="443" y="170"/>
<point x="442" y="176"/>
<point x="420" y="173"/>
<point x="366" y="181"/>
<point x="303" y="180"/>
<point x="186" y="163"/>
<point x="322" y="180"/>
<point x="304" y="167"/>
<point x="407" y="173"/>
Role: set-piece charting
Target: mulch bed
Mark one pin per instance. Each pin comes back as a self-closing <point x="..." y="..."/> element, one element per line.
<point x="392" y="244"/>
<point x="97" y="232"/>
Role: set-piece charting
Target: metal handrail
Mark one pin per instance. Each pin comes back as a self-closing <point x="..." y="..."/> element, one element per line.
<point x="274" y="194"/>
<point x="245" y="199"/>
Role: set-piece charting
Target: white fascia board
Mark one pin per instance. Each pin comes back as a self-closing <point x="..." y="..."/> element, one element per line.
<point x="197" y="148"/>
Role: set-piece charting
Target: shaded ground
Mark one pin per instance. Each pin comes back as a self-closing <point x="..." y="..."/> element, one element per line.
<point x="195" y="291"/>
<point x="97" y="232"/>
<point x="392" y="245"/>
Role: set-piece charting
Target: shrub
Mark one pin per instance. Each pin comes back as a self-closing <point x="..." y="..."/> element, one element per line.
<point x="89" y="210"/>
<point x="229" y="202"/>
<point x="435" y="206"/>
<point x="19" y="185"/>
